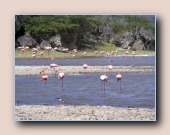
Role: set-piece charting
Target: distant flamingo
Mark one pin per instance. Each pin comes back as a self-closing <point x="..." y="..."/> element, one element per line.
<point x="53" y="66"/>
<point x="75" y="51"/>
<point x="116" y="52"/>
<point x="110" y="66"/>
<point x="26" y="48"/>
<point x="21" y="47"/>
<point x="133" y="53"/>
<point x="34" y="50"/>
<point x="104" y="79"/>
<point x="118" y="77"/>
<point x="48" y="49"/>
<point x="61" y="77"/>
<point x="34" y="55"/>
<point x="23" y="50"/>
<point x="41" y="53"/>
<point x="107" y="54"/>
<point x="56" y="48"/>
<point x="85" y="66"/>
<point x="127" y="52"/>
<point x="44" y="77"/>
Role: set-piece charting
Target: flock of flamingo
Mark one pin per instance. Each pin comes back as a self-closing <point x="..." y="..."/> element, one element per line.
<point x="56" y="68"/>
<point x="66" y="50"/>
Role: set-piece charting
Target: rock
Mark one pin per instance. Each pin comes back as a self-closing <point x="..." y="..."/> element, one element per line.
<point x="127" y="40"/>
<point x="68" y="39"/>
<point x="126" y="43"/>
<point x="148" y="38"/>
<point x="138" y="45"/>
<point x="55" y="41"/>
<point x="27" y="40"/>
<point x="117" y="41"/>
<point x="44" y="44"/>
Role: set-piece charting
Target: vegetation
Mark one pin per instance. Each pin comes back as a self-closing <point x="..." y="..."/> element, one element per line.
<point x="82" y="25"/>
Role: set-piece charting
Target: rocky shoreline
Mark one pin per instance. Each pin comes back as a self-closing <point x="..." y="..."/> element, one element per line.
<point x="82" y="113"/>
<point x="35" y="70"/>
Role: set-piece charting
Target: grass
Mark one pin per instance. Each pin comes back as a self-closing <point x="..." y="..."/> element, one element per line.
<point x="89" y="52"/>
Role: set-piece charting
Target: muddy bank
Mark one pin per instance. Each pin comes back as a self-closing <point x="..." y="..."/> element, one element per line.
<point x="86" y="112"/>
<point x="35" y="70"/>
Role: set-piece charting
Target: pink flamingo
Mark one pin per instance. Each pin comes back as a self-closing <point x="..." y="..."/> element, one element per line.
<point x="127" y="52"/>
<point x="20" y="47"/>
<point x="133" y="53"/>
<point x="53" y="66"/>
<point x="44" y="77"/>
<point x="26" y="48"/>
<point x="23" y="50"/>
<point x="110" y="66"/>
<point x="48" y="48"/>
<point x="104" y="79"/>
<point x="33" y="55"/>
<point x="117" y="52"/>
<point x="118" y="77"/>
<point x="85" y="66"/>
<point x="34" y="50"/>
<point x="56" y="48"/>
<point x="61" y="77"/>
<point x="96" y="52"/>
<point x="75" y="51"/>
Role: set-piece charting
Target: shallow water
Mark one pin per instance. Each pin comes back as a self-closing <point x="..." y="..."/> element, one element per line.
<point x="137" y="90"/>
<point x="100" y="61"/>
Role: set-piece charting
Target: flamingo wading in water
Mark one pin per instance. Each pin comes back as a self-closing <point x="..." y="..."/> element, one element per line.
<point x="53" y="66"/>
<point x="44" y="77"/>
<point x="103" y="79"/>
<point x="61" y="77"/>
<point x="118" y="77"/>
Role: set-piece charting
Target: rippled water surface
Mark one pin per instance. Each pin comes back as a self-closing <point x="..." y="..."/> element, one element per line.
<point x="137" y="90"/>
<point x="100" y="61"/>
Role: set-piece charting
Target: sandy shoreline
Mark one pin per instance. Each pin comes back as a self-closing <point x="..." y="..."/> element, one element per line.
<point x="35" y="70"/>
<point x="84" y="113"/>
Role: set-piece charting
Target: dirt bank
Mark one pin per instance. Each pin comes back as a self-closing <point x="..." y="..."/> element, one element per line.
<point x="86" y="112"/>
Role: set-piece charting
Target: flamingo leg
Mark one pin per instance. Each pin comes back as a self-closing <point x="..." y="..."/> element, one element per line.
<point x="55" y="72"/>
<point x="120" y="84"/>
<point x="101" y="85"/>
<point x="104" y="86"/>
<point x="62" y="83"/>
<point x="117" y="84"/>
